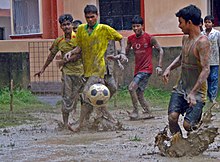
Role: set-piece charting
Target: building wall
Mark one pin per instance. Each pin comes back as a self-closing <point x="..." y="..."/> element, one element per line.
<point x="76" y="9"/>
<point x="160" y="15"/>
<point x="160" y="20"/>
<point x="5" y="22"/>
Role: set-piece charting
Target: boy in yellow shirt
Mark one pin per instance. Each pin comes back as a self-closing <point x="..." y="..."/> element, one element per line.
<point x="92" y="41"/>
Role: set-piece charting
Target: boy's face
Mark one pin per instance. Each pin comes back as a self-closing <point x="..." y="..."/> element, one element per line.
<point x="91" y="19"/>
<point x="183" y="25"/>
<point x="137" y="28"/>
<point x="208" y="24"/>
<point x="66" y="26"/>
<point x="75" y="27"/>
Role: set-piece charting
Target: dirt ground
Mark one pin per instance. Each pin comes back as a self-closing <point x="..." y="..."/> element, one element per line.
<point x="45" y="141"/>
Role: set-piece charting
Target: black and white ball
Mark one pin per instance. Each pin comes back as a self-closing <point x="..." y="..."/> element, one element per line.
<point x="98" y="95"/>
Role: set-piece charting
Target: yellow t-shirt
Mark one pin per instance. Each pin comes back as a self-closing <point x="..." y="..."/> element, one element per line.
<point x="60" y="44"/>
<point x="93" y="47"/>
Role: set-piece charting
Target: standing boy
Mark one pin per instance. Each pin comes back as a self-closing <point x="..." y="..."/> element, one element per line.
<point x="72" y="69"/>
<point x="142" y="44"/>
<point x="214" y="38"/>
<point x="92" y="41"/>
<point x="188" y="96"/>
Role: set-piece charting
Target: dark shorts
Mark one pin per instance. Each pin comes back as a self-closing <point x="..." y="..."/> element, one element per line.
<point x="141" y="79"/>
<point x="179" y="104"/>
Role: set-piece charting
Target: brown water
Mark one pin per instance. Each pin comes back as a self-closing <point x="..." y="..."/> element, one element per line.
<point x="44" y="141"/>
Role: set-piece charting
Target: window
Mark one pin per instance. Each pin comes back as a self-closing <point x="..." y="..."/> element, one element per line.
<point x="214" y="10"/>
<point x="25" y="16"/>
<point x="119" y="13"/>
<point x="2" y="33"/>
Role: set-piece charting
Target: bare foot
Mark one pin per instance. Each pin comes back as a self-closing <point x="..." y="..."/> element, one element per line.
<point x="133" y="115"/>
<point x="77" y="129"/>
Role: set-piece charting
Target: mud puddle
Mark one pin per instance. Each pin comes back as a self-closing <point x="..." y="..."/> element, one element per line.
<point x="44" y="141"/>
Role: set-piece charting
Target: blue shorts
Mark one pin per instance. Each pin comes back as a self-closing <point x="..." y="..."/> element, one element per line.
<point x="141" y="79"/>
<point x="179" y="104"/>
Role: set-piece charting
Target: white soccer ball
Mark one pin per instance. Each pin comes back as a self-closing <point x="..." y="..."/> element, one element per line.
<point x="98" y="95"/>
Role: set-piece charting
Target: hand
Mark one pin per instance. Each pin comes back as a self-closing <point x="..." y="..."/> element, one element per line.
<point x="60" y="63"/>
<point x="111" y="57"/>
<point x="122" y="57"/>
<point x="166" y="76"/>
<point x="39" y="73"/>
<point x="58" y="57"/>
<point x="191" y="99"/>
<point x="67" y="55"/>
<point x="120" y="65"/>
<point x="159" y="70"/>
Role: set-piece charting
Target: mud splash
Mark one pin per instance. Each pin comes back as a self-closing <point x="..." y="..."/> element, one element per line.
<point x="103" y="124"/>
<point x="196" y="143"/>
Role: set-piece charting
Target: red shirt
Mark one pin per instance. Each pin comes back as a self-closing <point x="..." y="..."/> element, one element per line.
<point x="143" y="53"/>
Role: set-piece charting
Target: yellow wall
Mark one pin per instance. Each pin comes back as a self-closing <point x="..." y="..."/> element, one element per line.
<point x="160" y="14"/>
<point x="76" y="7"/>
<point x="159" y="19"/>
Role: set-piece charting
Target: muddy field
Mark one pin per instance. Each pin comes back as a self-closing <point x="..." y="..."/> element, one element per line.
<point x="46" y="141"/>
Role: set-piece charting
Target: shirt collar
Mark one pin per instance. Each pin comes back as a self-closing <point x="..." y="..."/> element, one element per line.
<point x="87" y="26"/>
<point x="73" y="34"/>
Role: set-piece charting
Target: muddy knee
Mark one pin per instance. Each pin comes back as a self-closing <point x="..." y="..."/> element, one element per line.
<point x="131" y="90"/>
<point x="86" y="110"/>
<point x="172" y="118"/>
<point x="187" y="126"/>
<point x="173" y="123"/>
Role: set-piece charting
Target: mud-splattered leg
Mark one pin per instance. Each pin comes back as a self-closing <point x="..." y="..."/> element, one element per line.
<point x="173" y="123"/>
<point x="86" y="110"/>
<point x="65" y="118"/>
<point x="143" y="102"/>
<point x="132" y="90"/>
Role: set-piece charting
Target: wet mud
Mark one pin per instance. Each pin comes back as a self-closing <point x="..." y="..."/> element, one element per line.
<point x="194" y="144"/>
<point x="45" y="140"/>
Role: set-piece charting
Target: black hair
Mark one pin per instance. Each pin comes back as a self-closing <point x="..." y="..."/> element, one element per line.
<point x="65" y="17"/>
<point x="137" y="20"/>
<point x="201" y="24"/>
<point x="209" y="17"/>
<point x="91" y="9"/>
<point x="190" y="12"/>
<point x="109" y="22"/>
<point x="201" y="21"/>
<point x="77" y="22"/>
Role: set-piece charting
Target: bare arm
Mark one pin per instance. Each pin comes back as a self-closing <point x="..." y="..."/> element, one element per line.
<point x="121" y="56"/>
<point x="159" y="49"/>
<point x="176" y="63"/>
<point x="128" y="48"/>
<point x="50" y="58"/>
<point x="122" y="44"/>
<point x="203" y="50"/>
<point x="71" y="55"/>
<point x="202" y="53"/>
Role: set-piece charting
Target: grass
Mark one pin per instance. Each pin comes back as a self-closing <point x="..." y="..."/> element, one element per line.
<point x="24" y="103"/>
<point x="21" y="98"/>
<point x="155" y="96"/>
<point x="135" y="139"/>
